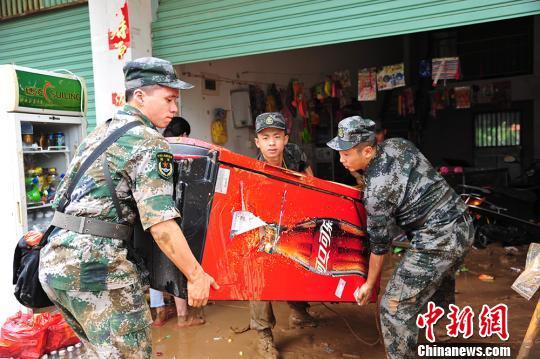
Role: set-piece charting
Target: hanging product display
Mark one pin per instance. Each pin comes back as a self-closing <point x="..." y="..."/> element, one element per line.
<point x="219" y="127"/>
<point x="367" y="84"/>
<point x="439" y="100"/>
<point x="462" y="95"/>
<point x="406" y="102"/>
<point x="344" y="78"/>
<point x="273" y="99"/>
<point x="257" y="100"/>
<point x="444" y="68"/>
<point x="285" y="110"/>
<point x="299" y="98"/>
<point x="390" y="77"/>
<point x="425" y="69"/>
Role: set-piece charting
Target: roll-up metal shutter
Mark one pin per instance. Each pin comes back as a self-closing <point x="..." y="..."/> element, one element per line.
<point x="52" y="40"/>
<point x="190" y="30"/>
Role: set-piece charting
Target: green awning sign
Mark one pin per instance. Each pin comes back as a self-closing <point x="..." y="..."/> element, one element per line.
<point x="42" y="91"/>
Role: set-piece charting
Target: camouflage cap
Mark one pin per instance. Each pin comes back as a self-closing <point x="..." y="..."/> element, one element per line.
<point x="352" y="131"/>
<point x="270" y="120"/>
<point x="148" y="71"/>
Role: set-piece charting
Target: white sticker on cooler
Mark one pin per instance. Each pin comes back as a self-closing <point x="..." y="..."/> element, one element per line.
<point x="222" y="182"/>
<point x="340" y="287"/>
<point x="355" y="294"/>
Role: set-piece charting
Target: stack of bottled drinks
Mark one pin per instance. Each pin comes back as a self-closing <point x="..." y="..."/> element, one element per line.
<point x="73" y="351"/>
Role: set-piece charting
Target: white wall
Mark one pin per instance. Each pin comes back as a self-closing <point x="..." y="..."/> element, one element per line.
<point x="108" y="75"/>
<point x="310" y="65"/>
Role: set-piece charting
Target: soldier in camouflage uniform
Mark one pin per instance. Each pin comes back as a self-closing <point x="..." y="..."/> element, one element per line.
<point x="403" y="189"/>
<point x="88" y="277"/>
<point x="274" y="148"/>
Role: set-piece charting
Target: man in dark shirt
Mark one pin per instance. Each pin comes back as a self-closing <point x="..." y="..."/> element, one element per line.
<point x="402" y="188"/>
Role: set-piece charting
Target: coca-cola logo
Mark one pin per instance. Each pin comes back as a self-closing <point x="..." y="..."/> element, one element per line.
<point x="325" y="239"/>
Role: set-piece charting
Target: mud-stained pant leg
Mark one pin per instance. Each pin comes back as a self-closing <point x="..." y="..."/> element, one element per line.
<point x="446" y="293"/>
<point x="261" y="315"/>
<point x="417" y="278"/>
<point x="414" y="282"/>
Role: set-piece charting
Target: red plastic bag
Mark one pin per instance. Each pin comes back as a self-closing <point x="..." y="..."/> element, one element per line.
<point x="60" y="334"/>
<point x="26" y="334"/>
<point x="10" y="349"/>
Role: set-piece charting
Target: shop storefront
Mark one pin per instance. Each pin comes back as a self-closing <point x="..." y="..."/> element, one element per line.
<point x="438" y="73"/>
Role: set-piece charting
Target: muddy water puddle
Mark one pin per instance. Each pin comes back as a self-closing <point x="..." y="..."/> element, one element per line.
<point x="333" y="338"/>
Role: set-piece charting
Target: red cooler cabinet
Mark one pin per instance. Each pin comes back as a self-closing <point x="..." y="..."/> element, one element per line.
<point x="263" y="232"/>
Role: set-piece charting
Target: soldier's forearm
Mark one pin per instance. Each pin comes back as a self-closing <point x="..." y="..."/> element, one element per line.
<point x="172" y="242"/>
<point x="375" y="267"/>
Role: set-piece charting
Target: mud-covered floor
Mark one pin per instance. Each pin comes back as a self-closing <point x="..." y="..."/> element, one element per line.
<point x="334" y="337"/>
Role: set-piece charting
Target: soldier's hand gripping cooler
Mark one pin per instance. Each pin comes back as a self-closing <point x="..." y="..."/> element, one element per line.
<point x="172" y="242"/>
<point x="355" y="145"/>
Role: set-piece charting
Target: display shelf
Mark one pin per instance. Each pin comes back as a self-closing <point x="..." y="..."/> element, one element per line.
<point x="40" y="206"/>
<point x="36" y="152"/>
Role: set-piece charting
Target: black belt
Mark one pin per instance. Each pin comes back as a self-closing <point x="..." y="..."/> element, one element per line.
<point x="96" y="227"/>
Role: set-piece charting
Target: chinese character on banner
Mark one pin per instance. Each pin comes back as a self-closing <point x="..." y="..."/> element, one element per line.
<point x="461" y="321"/>
<point x="494" y="321"/>
<point x="118" y="99"/>
<point x="119" y="38"/>
<point x="429" y="319"/>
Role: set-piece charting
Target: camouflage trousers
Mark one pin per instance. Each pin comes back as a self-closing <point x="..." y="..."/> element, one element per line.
<point x="111" y="324"/>
<point x="422" y="276"/>
<point x="262" y="314"/>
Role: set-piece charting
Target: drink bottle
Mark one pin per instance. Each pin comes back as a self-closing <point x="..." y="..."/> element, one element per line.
<point x="323" y="245"/>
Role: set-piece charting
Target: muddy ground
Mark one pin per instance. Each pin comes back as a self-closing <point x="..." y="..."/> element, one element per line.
<point x="346" y="330"/>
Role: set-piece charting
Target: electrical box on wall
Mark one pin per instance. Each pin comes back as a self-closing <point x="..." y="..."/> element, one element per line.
<point x="241" y="108"/>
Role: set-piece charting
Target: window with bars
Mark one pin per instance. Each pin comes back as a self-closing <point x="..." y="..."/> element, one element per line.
<point x="497" y="129"/>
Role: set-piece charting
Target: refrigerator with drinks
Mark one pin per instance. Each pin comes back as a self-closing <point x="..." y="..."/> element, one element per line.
<point x="42" y="122"/>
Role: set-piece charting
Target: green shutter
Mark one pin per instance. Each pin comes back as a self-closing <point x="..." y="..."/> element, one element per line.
<point x="190" y="30"/>
<point x="49" y="41"/>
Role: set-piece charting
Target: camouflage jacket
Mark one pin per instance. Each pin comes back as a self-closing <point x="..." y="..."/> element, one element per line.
<point x="73" y="261"/>
<point x="403" y="188"/>
<point x="293" y="157"/>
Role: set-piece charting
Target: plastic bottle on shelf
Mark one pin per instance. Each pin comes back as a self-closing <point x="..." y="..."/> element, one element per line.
<point x="71" y="352"/>
<point x="34" y="195"/>
<point x="79" y="350"/>
<point x="53" y="182"/>
<point x="60" y="139"/>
